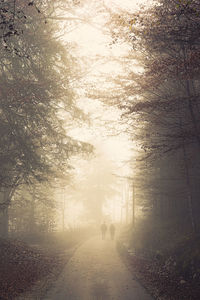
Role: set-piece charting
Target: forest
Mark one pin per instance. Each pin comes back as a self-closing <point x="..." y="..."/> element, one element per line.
<point x="99" y="124"/>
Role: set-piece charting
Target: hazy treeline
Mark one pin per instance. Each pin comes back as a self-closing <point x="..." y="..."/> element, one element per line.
<point x="168" y="106"/>
<point x="160" y="101"/>
<point x="36" y="107"/>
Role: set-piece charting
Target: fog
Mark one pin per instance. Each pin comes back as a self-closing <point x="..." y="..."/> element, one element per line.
<point x="99" y="149"/>
<point x="97" y="192"/>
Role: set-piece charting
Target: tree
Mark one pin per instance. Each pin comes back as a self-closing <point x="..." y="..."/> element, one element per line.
<point x="161" y="100"/>
<point x="96" y="185"/>
<point x="35" y="97"/>
<point x="33" y="209"/>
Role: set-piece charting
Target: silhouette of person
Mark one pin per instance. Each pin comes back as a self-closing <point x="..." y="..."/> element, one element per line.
<point x="103" y="230"/>
<point x="112" y="231"/>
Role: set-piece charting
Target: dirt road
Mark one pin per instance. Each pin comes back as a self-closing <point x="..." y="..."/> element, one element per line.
<point x="95" y="272"/>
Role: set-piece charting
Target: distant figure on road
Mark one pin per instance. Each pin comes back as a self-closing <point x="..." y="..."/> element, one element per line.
<point x="112" y="231"/>
<point x="103" y="230"/>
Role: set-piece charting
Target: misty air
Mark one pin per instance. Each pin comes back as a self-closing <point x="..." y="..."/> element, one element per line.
<point x="99" y="150"/>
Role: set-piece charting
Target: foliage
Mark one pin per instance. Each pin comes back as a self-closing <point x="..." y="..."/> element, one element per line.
<point x="161" y="103"/>
<point x="35" y="87"/>
<point x="33" y="209"/>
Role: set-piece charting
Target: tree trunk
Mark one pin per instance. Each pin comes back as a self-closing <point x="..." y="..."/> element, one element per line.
<point x="4" y="222"/>
<point x="186" y="166"/>
<point x="189" y="192"/>
<point x="133" y="204"/>
<point x="32" y="225"/>
<point x="190" y="104"/>
<point x="5" y="198"/>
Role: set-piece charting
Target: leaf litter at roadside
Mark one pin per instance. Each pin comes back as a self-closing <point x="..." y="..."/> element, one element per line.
<point x="21" y="266"/>
<point x="161" y="282"/>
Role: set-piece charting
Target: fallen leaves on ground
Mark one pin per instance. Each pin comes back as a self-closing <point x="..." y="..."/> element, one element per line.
<point x="161" y="283"/>
<point x="21" y="266"/>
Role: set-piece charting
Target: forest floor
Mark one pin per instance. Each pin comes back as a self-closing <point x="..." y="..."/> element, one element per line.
<point x="162" y="282"/>
<point x="29" y="270"/>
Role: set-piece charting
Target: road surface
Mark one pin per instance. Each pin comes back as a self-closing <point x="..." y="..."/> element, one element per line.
<point x="95" y="272"/>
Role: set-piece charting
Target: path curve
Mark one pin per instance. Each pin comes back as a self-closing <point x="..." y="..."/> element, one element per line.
<point x="95" y="272"/>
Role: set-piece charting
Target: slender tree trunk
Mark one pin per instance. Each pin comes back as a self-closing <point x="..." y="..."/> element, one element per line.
<point x="190" y="104"/>
<point x="192" y="113"/>
<point x="4" y="222"/>
<point x="155" y="206"/>
<point x="32" y="225"/>
<point x="185" y="158"/>
<point x="5" y="198"/>
<point x="133" y="204"/>
<point x="189" y="191"/>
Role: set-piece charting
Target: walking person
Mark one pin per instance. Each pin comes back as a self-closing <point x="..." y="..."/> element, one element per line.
<point x="112" y="231"/>
<point x="103" y="230"/>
